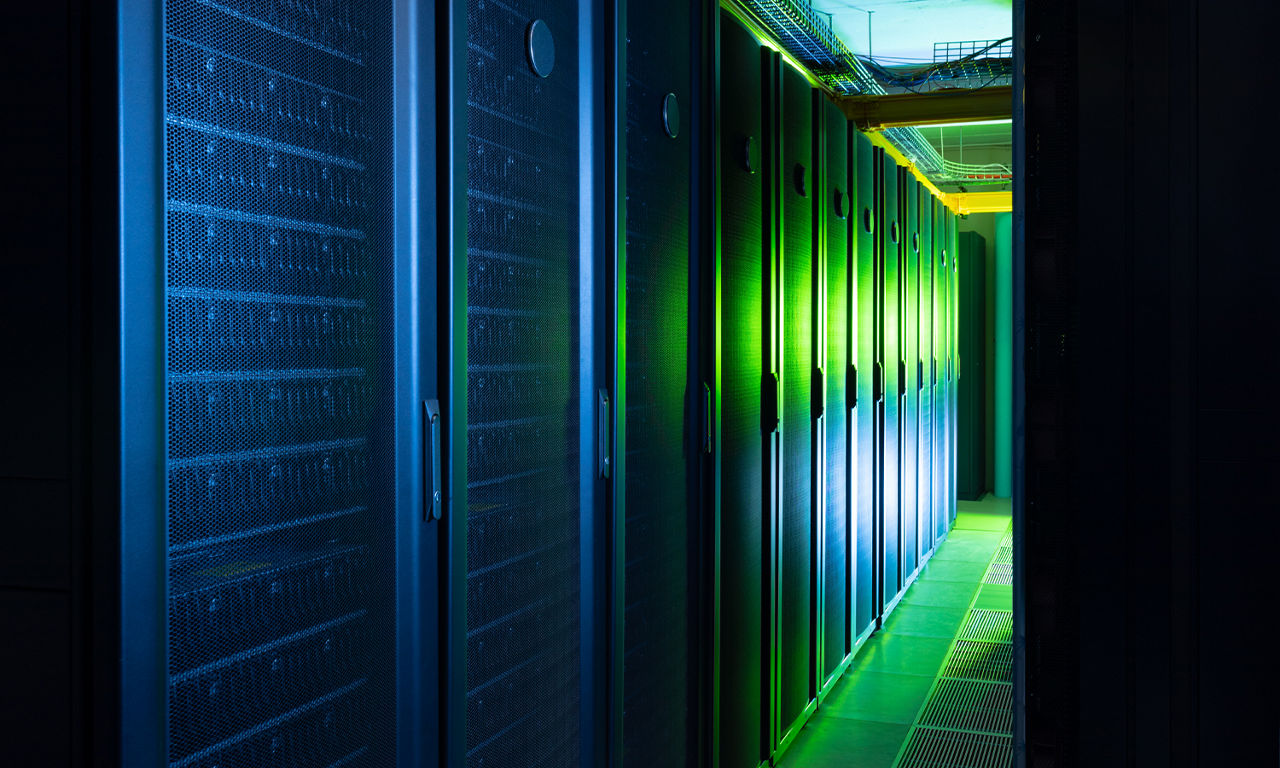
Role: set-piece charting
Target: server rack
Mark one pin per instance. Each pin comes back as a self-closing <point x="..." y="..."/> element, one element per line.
<point x="657" y="386"/>
<point x="527" y="625"/>
<point x="257" y="599"/>
<point x="929" y="381"/>
<point x="953" y="352"/>
<point x="834" y="395"/>
<point x="890" y="341"/>
<point x="941" y="337"/>
<point x="909" y="328"/>
<point x="795" y="187"/>
<point x="868" y="414"/>
<point x="748" y="408"/>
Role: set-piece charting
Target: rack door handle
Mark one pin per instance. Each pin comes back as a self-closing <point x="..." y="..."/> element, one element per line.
<point x="604" y="435"/>
<point x="707" y="426"/>
<point x="433" y="506"/>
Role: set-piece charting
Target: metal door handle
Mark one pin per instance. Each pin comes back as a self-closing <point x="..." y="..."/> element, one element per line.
<point x="433" y="506"/>
<point x="603" y="435"/>
<point x="706" y="418"/>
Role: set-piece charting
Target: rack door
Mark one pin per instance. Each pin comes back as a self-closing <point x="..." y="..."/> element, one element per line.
<point x="291" y="509"/>
<point x="891" y="356"/>
<point x="658" y="516"/>
<point x="909" y="323"/>
<point x="835" y="380"/>
<point x="797" y="186"/>
<point x="867" y="415"/>
<point x="745" y="385"/>
<point x="529" y="469"/>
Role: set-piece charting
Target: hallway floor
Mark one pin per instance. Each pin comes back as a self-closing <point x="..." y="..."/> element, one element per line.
<point x="933" y="686"/>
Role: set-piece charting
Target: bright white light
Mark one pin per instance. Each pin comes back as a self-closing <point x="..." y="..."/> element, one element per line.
<point x="1005" y="121"/>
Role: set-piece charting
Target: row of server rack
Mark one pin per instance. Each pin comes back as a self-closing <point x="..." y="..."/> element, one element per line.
<point x="837" y="319"/>
<point x="480" y="383"/>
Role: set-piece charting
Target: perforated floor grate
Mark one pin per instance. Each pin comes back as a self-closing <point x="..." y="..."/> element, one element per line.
<point x="973" y="660"/>
<point x="934" y="747"/>
<point x="970" y="705"/>
<point x="967" y="719"/>
<point x="988" y="626"/>
<point x="999" y="573"/>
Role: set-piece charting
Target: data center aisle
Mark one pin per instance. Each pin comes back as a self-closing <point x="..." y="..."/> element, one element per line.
<point x="957" y="612"/>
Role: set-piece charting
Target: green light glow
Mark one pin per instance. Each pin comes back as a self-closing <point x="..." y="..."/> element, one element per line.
<point x="1004" y="355"/>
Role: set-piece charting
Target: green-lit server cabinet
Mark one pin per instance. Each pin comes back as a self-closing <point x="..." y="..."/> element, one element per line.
<point x="890" y="356"/>
<point x="656" y="517"/>
<point x="868" y="411"/>
<point x="939" y="423"/>
<point x="746" y="383"/>
<point x="795" y="187"/>
<point x="833" y="397"/>
<point x="909" y="346"/>
<point x="953" y="357"/>
<point x="924" y="477"/>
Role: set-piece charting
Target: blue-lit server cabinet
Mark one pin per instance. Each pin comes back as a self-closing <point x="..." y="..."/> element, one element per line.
<point x="332" y="448"/>
<point x="572" y="606"/>
<point x="251" y="388"/>
<point x="292" y="271"/>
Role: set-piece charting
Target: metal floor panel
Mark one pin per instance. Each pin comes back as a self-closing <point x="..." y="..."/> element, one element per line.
<point x="936" y="748"/>
<point x="982" y="706"/>
<point x="999" y="573"/>
<point x="990" y="626"/>
<point x="974" y="660"/>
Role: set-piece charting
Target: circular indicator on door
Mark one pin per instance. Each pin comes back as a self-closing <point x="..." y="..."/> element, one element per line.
<point x="671" y="115"/>
<point x="540" y="47"/>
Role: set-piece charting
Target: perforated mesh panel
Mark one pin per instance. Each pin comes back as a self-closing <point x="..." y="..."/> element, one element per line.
<point x="908" y="353"/>
<point x="743" y="365"/>
<point x="836" y="602"/>
<point x="928" y="385"/>
<point x="522" y="345"/>
<point x="279" y="473"/>
<point x="797" y="393"/>
<point x="656" y="687"/>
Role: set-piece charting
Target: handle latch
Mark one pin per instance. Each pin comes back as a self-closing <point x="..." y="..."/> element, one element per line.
<point x="604" y="422"/>
<point x="433" y="503"/>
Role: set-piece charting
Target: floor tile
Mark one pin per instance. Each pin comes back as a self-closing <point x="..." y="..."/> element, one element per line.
<point x="953" y="570"/>
<point x="904" y="654"/>
<point x="974" y="546"/>
<point x="924" y="620"/>
<point x="942" y="594"/>
<point x="885" y="697"/>
<point x="981" y="521"/>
